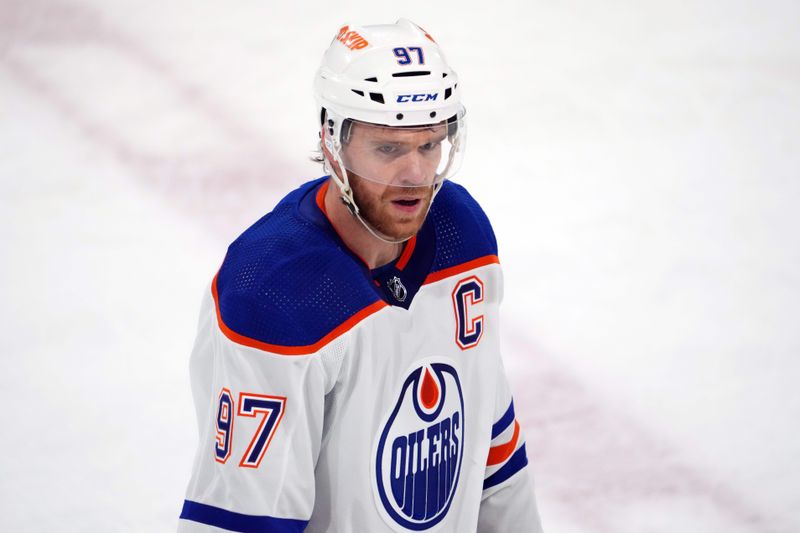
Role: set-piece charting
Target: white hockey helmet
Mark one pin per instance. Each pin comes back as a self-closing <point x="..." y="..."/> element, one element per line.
<point x="388" y="76"/>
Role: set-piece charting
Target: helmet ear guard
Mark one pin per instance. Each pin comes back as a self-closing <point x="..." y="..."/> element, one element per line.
<point x="329" y="123"/>
<point x="331" y="142"/>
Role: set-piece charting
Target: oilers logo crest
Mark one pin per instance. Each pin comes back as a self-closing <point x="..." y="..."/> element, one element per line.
<point x="419" y="448"/>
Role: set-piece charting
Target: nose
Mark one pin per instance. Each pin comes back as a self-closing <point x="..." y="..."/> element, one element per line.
<point x="414" y="171"/>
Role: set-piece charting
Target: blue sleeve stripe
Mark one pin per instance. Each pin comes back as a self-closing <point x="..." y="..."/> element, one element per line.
<point x="514" y="465"/>
<point x="214" y="516"/>
<point x="506" y="420"/>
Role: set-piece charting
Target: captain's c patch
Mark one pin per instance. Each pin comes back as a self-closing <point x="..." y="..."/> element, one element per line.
<point x="469" y="325"/>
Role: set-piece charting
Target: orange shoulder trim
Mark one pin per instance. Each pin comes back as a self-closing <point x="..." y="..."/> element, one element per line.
<point x="343" y="328"/>
<point x="463" y="267"/>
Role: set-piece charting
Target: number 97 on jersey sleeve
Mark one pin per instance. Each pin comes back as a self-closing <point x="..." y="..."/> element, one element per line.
<point x="251" y="405"/>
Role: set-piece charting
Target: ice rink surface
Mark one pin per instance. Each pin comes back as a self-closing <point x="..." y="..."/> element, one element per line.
<point x="641" y="165"/>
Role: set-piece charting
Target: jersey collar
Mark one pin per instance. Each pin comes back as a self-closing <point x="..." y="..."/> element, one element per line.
<point x="397" y="282"/>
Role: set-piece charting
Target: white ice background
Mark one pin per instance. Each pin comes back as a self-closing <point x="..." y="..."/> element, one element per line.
<point x="640" y="162"/>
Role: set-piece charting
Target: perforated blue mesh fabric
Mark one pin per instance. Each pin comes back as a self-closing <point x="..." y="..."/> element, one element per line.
<point x="287" y="281"/>
<point x="463" y="231"/>
<point x="284" y="281"/>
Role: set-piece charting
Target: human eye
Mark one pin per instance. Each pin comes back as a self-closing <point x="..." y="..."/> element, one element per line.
<point x="387" y="149"/>
<point x="431" y="145"/>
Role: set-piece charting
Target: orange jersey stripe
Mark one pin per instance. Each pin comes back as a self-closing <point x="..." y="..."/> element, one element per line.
<point x="463" y="267"/>
<point x="344" y="327"/>
<point x="406" y="255"/>
<point x="321" y="198"/>
<point x="500" y="453"/>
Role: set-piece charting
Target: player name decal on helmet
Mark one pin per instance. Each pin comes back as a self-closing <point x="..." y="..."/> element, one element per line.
<point x="351" y="39"/>
<point x="420" y="446"/>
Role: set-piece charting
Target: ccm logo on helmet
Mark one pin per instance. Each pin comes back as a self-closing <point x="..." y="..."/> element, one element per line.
<point x="424" y="97"/>
<point x="351" y="39"/>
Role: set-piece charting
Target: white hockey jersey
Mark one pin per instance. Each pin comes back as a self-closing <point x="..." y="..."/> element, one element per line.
<point x="334" y="398"/>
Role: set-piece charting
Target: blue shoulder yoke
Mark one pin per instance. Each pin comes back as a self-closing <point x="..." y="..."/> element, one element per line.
<point x="285" y="282"/>
<point x="463" y="232"/>
<point x="289" y="281"/>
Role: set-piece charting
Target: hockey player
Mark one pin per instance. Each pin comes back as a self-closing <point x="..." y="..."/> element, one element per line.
<point x="347" y="373"/>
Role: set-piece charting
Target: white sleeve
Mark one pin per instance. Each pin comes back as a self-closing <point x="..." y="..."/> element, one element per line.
<point x="507" y="503"/>
<point x="260" y="420"/>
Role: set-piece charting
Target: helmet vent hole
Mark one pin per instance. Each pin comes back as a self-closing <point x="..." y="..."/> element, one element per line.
<point x="399" y="116"/>
<point x="359" y="93"/>
<point x="376" y="97"/>
<point x="433" y="114"/>
<point x="444" y="74"/>
<point x="411" y="73"/>
<point x="373" y="79"/>
<point x="447" y="93"/>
